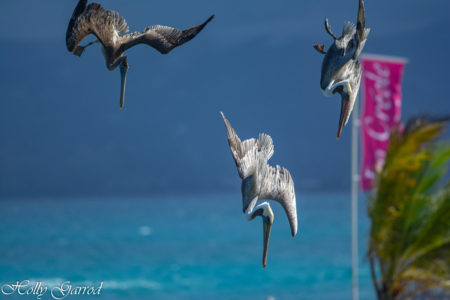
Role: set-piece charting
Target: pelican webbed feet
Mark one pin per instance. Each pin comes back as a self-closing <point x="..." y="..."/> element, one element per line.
<point x="80" y="49"/>
<point x="320" y="48"/>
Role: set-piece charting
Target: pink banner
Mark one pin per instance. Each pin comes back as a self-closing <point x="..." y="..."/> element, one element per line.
<point x="382" y="99"/>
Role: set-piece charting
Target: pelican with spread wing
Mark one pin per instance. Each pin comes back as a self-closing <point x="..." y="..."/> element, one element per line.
<point x="261" y="181"/>
<point x="341" y="70"/>
<point x="110" y="30"/>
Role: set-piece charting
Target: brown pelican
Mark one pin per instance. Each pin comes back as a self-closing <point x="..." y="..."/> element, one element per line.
<point x="261" y="181"/>
<point x="110" y="29"/>
<point x="341" y="70"/>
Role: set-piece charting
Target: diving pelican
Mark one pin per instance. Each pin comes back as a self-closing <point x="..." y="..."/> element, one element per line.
<point x="110" y="30"/>
<point x="261" y="181"/>
<point x="341" y="70"/>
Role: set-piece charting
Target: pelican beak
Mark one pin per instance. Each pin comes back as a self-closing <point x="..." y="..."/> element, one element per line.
<point x="345" y="111"/>
<point x="267" y="226"/>
<point x="123" y="81"/>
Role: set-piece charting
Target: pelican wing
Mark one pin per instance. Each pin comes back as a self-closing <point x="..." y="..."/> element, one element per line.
<point x="361" y="19"/>
<point x="279" y="186"/>
<point x="243" y="152"/>
<point x="162" y="38"/>
<point x="248" y="153"/>
<point x="79" y="9"/>
<point x="106" y="25"/>
<point x="361" y="31"/>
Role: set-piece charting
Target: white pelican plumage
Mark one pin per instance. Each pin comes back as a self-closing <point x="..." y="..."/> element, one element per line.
<point x="110" y="30"/>
<point x="261" y="181"/>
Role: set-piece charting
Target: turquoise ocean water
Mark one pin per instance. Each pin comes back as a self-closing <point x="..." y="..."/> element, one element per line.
<point x="180" y="247"/>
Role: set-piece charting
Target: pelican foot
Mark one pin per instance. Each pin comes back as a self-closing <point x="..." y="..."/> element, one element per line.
<point x="78" y="51"/>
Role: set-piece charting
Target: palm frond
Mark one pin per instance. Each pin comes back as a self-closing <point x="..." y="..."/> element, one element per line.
<point x="410" y="211"/>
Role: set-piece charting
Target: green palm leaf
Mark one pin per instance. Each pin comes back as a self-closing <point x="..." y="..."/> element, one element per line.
<point x="410" y="213"/>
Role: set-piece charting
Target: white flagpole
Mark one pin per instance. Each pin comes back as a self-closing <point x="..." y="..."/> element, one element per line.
<point x="354" y="199"/>
<point x="355" y="177"/>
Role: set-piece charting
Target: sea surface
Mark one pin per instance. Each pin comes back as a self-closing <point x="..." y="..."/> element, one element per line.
<point x="180" y="247"/>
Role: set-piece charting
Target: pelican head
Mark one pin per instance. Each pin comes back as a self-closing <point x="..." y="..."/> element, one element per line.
<point x="265" y="211"/>
<point x="249" y="199"/>
<point x="341" y="70"/>
<point x="267" y="217"/>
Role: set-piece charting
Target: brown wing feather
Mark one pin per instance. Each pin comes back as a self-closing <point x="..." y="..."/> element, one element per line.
<point x="279" y="186"/>
<point x="249" y="153"/>
<point x="243" y="152"/>
<point x="79" y="9"/>
<point x="361" y="20"/>
<point x="107" y="25"/>
<point x="361" y="32"/>
<point x="162" y="38"/>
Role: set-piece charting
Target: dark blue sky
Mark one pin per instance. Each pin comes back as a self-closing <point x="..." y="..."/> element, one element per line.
<point x="62" y="133"/>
